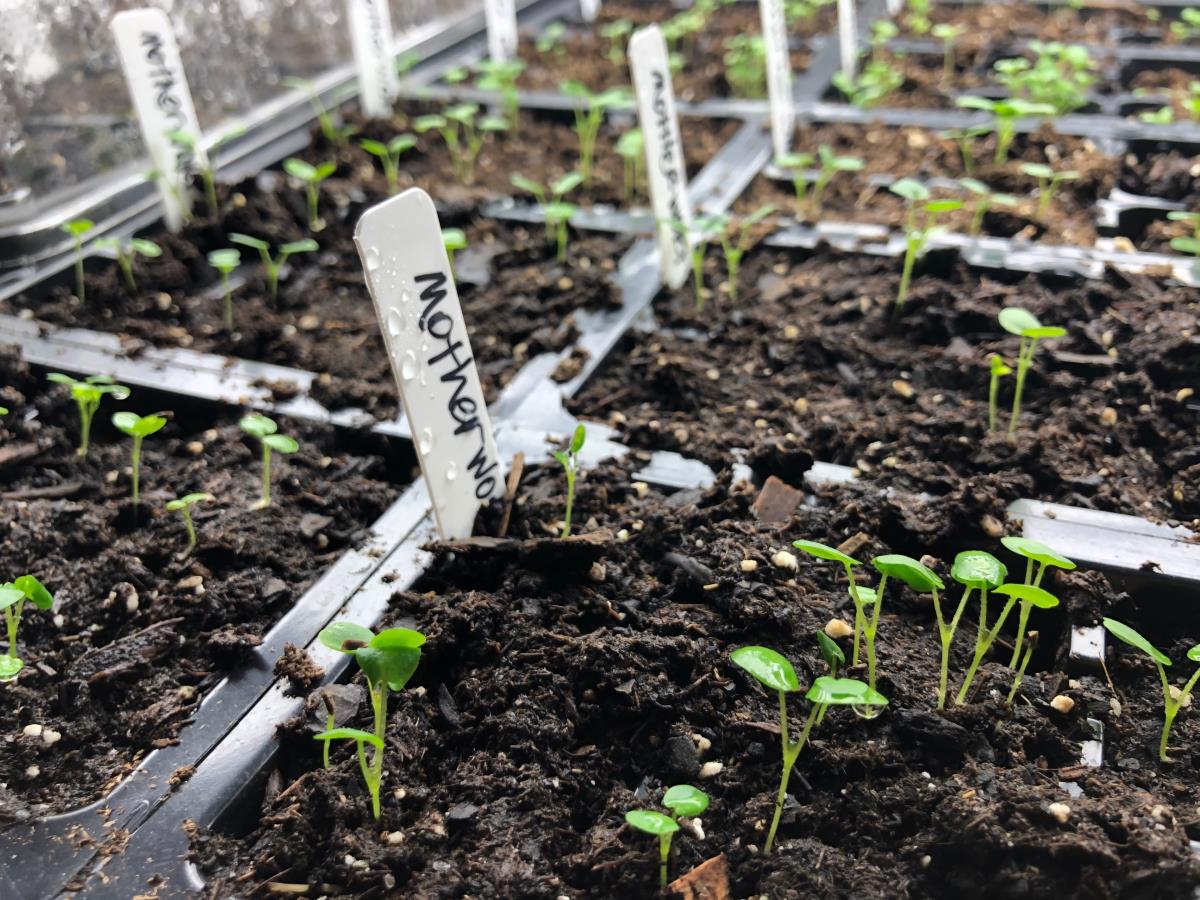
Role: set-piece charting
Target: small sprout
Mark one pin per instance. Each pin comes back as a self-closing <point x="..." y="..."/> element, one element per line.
<point x="555" y="210"/>
<point x="1059" y="76"/>
<point x="551" y="40"/>
<point x="589" y="115"/>
<point x="631" y="147"/>
<point x="183" y="505"/>
<point x="569" y="459"/>
<point x="1031" y="640"/>
<point x="77" y="228"/>
<point x="389" y="156"/>
<point x="830" y="165"/>
<point x="387" y="660"/>
<point x="878" y="77"/>
<point x="1188" y="26"/>
<point x="225" y="261"/>
<point x="948" y="35"/>
<point x="616" y="33"/>
<point x="1188" y="245"/>
<point x="463" y="133"/>
<point x="734" y="250"/>
<point x="977" y="570"/>
<point x="834" y="658"/>
<point x="1048" y="182"/>
<point x="125" y="249"/>
<point x="1025" y="325"/>
<point x="799" y="166"/>
<point x="501" y="76"/>
<point x="271" y="266"/>
<point x="965" y="138"/>
<point x="985" y="197"/>
<point x="774" y="672"/>
<point x="857" y="594"/>
<point x="139" y="428"/>
<point x="1035" y="553"/>
<point x="1173" y="700"/>
<point x="916" y="237"/>
<point x="917" y="16"/>
<point x="1164" y="115"/>
<point x="746" y="65"/>
<point x="1005" y="114"/>
<point x="266" y="430"/>
<point x="87" y="395"/>
<point x="999" y="368"/>
<point x="208" y="176"/>
<point x="332" y="132"/>
<point x="13" y="597"/>
<point x="1026" y="594"/>
<point x="311" y="176"/>
<point x="684" y="801"/>
<point x="453" y="239"/>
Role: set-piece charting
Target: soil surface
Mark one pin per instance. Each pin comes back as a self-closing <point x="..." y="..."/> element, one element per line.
<point x="987" y="27"/>
<point x="138" y="631"/>
<point x="560" y="689"/>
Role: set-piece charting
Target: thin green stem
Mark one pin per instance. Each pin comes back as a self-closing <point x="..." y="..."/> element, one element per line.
<point x="910" y="260"/>
<point x="981" y="208"/>
<point x="993" y="391"/>
<point x="379" y="705"/>
<point x="566" y="532"/>
<point x="664" y="854"/>
<point x="12" y="621"/>
<point x="79" y="286"/>
<point x="1024" y="361"/>
<point x="946" y="632"/>
<point x="137" y="460"/>
<point x="266" y="476"/>
<point x="191" y="533"/>
<point x="981" y="649"/>
<point x="210" y="192"/>
<point x="86" y="411"/>
<point x="1020" y="674"/>
<point x="1026" y="608"/>
<point x="859" y="619"/>
<point x="126" y="265"/>
<point x="791" y="753"/>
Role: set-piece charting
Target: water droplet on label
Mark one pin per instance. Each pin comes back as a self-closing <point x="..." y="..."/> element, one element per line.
<point x="425" y="444"/>
<point x="408" y="366"/>
<point x="373" y="258"/>
<point x="395" y="323"/>
<point x="451" y="470"/>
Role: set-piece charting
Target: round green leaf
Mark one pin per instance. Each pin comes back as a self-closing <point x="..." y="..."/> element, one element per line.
<point x="125" y="421"/>
<point x="258" y="426"/>
<point x="867" y="596"/>
<point x="9" y="667"/>
<point x="350" y="734"/>
<point x="187" y="500"/>
<point x="281" y="443"/>
<point x="685" y="800"/>
<point x="910" y="189"/>
<point x="1037" y="551"/>
<point x="1133" y="639"/>
<point x="454" y="238"/>
<point x="1027" y="593"/>
<point x="298" y="168"/>
<point x="651" y="822"/>
<point x="823" y="551"/>
<point x="769" y="667"/>
<point x="834" y="657"/>
<point x="345" y="637"/>
<point x="1194" y="654"/>
<point x="915" y="574"/>
<point x="978" y="569"/>
<point x="398" y="639"/>
<point x="34" y="591"/>
<point x="308" y="245"/>
<point x="844" y="692"/>
<point x="392" y="666"/>
<point x="225" y="260"/>
<point x="10" y="594"/>
<point x="1018" y="321"/>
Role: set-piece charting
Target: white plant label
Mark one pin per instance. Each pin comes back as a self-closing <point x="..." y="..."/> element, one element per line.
<point x="371" y="39"/>
<point x="665" y="167"/>
<point x="848" y="36"/>
<point x="163" y="104"/>
<point x="589" y="9"/>
<point x="501" y="18"/>
<point x="408" y="275"/>
<point x="779" y="74"/>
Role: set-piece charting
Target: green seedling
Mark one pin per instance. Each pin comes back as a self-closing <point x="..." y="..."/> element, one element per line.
<point x="453" y="239"/>
<point x="830" y="164"/>
<point x="266" y="430"/>
<point x="631" y="147"/>
<point x="1059" y="76"/>
<point x="389" y="156"/>
<point x="999" y="368"/>
<point x="798" y="10"/>
<point x="775" y="673"/>
<point x="985" y="199"/>
<point x="1026" y="594"/>
<point x="697" y="235"/>
<point x="311" y="177"/>
<point x="1038" y="558"/>
<point x="87" y="395"/>
<point x="735" y="248"/>
<point x="975" y="570"/>
<point x="333" y="132"/>
<point x="464" y="134"/>
<point x="834" y="658"/>
<point x="746" y="65"/>
<point x="208" y="176"/>
<point x="569" y="459"/>
<point x="1025" y="325"/>
<point x="77" y="228"/>
<point x="1187" y="28"/>
<point x="1031" y="640"/>
<point x="1005" y="115"/>
<point x="139" y="428"/>
<point x="183" y="505"/>
<point x="917" y="16"/>
<point x="124" y="250"/>
<point x="903" y="568"/>
<point x="799" y="167"/>
<point x="589" y="116"/>
<point x="923" y="580"/>
<point x="878" y="77"/>
<point x="13" y="597"/>
<point x="1164" y="115"/>
<point x="551" y="40"/>
<point x="948" y="35"/>
<point x="616" y="33"/>
<point x="387" y="660"/>
<point x="273" y="266"/>
<point x="1048" y="182"/>
<point x="916" y="236"/>
<point x="225" y="261"/>
<point x="965" y="139"/>
<point x="1174" y="699"/>
<point x="556" y="212"/>
<point x="684" y="802"/>
<point x="857" y="593"/>
<point x="501" y="76"/>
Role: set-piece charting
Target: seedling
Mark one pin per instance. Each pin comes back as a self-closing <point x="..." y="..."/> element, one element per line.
<point x="1164" y="115"/>
<point x="463" y="133"/>
<point x="834" y="658"/>
<point x="734" y="250"/>
<point x="965" y="138"/>
<point x="948" y="35"/>
<point x="272" y="266"/>
<point x="125" y="249"/>
<point x="923" y="580"/>
<point x="569" y="459"/>
<point x="616" y="33"/>
<point x="918" y="16"/>
<point x="1048" y="182"/>
<point x="1025" y="325"/>
<point x="775" y="673"/>
<point x="830" y="165"/>
<point x="999" y="368"/>
<point x="857" y="594"/>
<point x="1173" y="698"/>
<point x="139" y="428"/>
<point x="1042" y="557"/>
<point x="77" y="228"/>
<point x="453" y="239"/>
<point x="1026" y="594"/>
<point x="589" y="115"/>
<point x="389" y="156"/>
<point x="916" y="237"/>
<point x="183" y="505"/>
<point x="684" y="801"/>
<point x="190" y="142"/>
<point x="1031" y="640"/>
<point x="551" y="40"/>
<point x="697" y="236"/>
<point x="975" y="570"/>
<point x="985" y="198"/>
<point x="1059" y="76"/>
<point x="878" y="77"/>
<point x="334" y="133"/>
<point x="87" y="395"/>
<point x="555" y="210"/>
<point x="13" y="597"/>
<point x="311" y="176"/>
<point x="746" y="65"/>
<point x="225" y="261"/>
<point x="387" y="660"/>
<point x="631" y="147"/>
<point x="1188" y="26"/>
<point x="798" y="166"/>
<point x="501" y="76"/>
<point x="266" y="430"/>
<point x="1005" y="114"/>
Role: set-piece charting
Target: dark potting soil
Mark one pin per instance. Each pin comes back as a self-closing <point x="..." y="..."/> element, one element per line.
<point x="138" y="633"/>
<point x="812" y="352"/>
<point x="559" y="689"/>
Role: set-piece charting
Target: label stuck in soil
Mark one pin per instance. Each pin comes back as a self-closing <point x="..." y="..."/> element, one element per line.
<point x="501" y="28"/>
<point x="163" y="104"/>
<point x="408" y="275"/>
<point x="371" y="38"/>
<point x="779" y="74"/>
<point x="848" y="36"/>
<point x="665" y="167"/>
<point x="589" y="9"/>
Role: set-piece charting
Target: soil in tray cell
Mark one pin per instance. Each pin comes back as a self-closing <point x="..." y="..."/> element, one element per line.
<point x="560" y="689"/>
<point x="814" y="358"/>
<point x="138" y="631"/>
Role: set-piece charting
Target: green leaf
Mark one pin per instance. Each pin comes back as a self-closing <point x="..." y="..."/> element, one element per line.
<point x="298" y="168"/>
<point x="392" y="666"/>
<point x="137" y="426"/>
<point x="1194" y="654"/>
<point x="975" y="186"/>
<point x="577" y="439"/>
<point x="910" y="189"/>
<point x="1037" y="551"/>
<point x="350" y="734"/>
<point x="257" y="425"/>
<point x="1037" y="170"/>
<point x="834" y="657"/>
<point x="978" y="569"/>
<point x="794" y="161"/>
<point x="398" y="639"/>
<point x="566" y="184"/>
<point x="827" y="690"/>
<point x="757" y="216"/>
<point x="823" y="551"/>
<point x="421" y="124"/>
<point x="225" y="260"/>
<point x="77" y="227"/>
<point x="454" y="238"/>
<point x="526" y="184"/>
<point x="651" y="822"/>
<point x="632" y="143"/>
<point x="34" y="591"/>
<point x="493" y="123"/>
<point x="1045" y="331"/>
<point x="998" y="365"/>
<point x="375" y="148"/>
<point x="308" y="245"/>
<point x="345" y="637"/>
<point x="1017" y="321"/>
<point x="559" y="211"/>
<point x="867" y="596"/>
<point x="915" y="574"/>
<point x="246" y="241"/>
<point x="975" y="103"/>
<point x="9" y="667"/>
<point x="187" y="500"/>
<point x="768" y="667"/>
<point x="324" y="170"/>
<point x="281" y="443"/>
<point x="1027" y="593"/>
<point x="685" y="800"/>
<point x="10" y="595"/>
<point x="401" y="143"/>
<point x="148" y="249"/>
<point x="1189" y="245"/>
<point x="1133" y="639"/>
<point x="941" y="206"/>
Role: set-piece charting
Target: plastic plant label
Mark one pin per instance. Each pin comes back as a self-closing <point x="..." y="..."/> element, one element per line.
<point x="501" y="18"/>
<point x="848" y="36"/>
<point x="779" y="74"/>
<point x="664" y="152"/>
<point x="162" y="102"/>
<point x="589" y="9"/>
<point x="371" y="39"/>
<point x="408" y="275"/>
